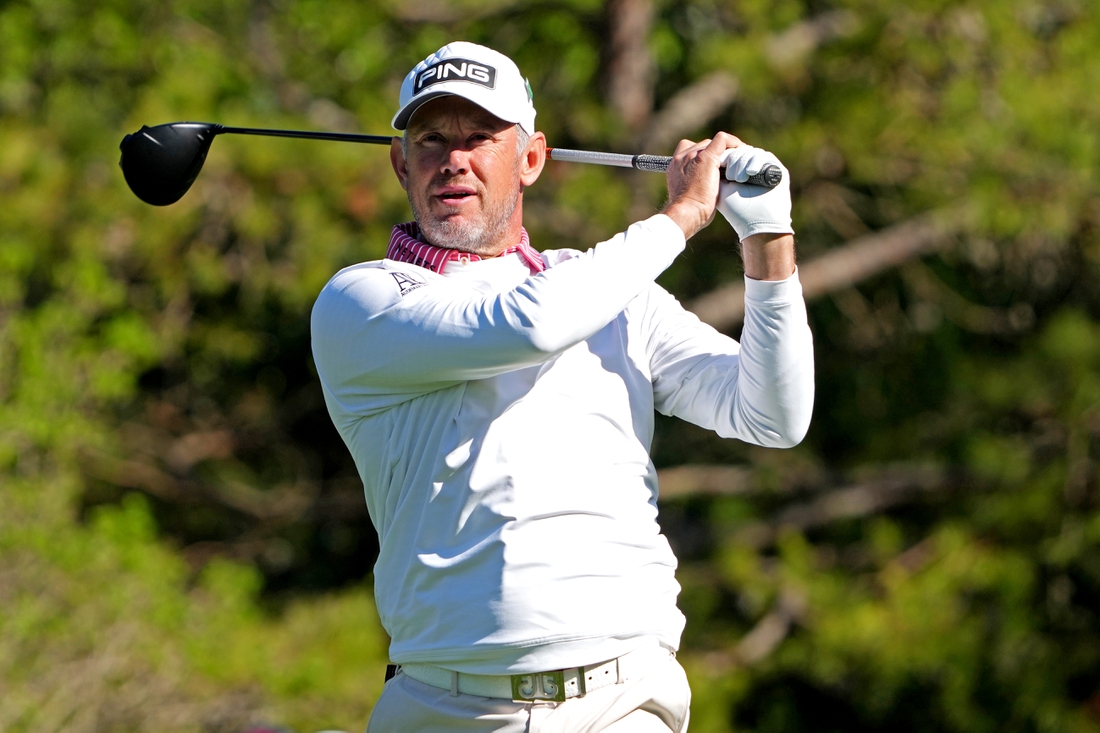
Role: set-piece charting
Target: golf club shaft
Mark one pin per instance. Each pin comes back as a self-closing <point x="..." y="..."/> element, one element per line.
<point x="658" y="163"/>
<point x="768" y="178"/>
<point x="347" y="137"/>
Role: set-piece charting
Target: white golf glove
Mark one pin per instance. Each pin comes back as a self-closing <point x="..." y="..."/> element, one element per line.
<point x="754" y="209"/>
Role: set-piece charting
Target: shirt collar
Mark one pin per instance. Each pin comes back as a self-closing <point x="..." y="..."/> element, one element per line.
<point x="406" y="246"/>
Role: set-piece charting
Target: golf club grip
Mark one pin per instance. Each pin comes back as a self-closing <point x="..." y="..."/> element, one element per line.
<point x="767" y="178"/>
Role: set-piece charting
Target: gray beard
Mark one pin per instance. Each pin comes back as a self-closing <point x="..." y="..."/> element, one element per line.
<point x="479" y="237"/>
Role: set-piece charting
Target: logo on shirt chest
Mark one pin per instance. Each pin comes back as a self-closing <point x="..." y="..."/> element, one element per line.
<point x="406" y="283"/>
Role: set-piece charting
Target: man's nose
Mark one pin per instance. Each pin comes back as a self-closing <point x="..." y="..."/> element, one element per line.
<point x="458" y="161"/>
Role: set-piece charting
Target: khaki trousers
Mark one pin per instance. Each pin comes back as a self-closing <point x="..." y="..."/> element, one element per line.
<point x="656" y="701"/>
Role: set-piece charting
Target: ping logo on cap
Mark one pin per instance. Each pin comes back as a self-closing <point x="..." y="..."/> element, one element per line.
<point x="456" y="70"/>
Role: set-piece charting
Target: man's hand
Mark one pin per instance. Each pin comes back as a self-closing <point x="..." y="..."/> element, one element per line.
<point x="760" y="216"/>
<point x="750" y="209"/>
<point x="693" y="181"/>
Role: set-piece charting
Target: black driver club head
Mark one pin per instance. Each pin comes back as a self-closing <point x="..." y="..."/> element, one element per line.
<point x="160" y="163"/>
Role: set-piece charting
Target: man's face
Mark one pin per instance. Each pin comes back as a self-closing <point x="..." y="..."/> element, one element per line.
<point x="463" y="173"/>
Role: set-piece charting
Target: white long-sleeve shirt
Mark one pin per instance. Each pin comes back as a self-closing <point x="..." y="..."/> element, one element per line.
<point x="501" y="424"/>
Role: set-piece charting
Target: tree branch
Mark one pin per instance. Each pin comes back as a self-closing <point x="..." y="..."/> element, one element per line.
<point x="445" y="12"/>
<point x="278" y="506"/>
<point x="970" y="316"/>
<point x="631" y="70"/>
<point x="705" y="480"/>
<point x="688" y="110"/>
<point x="842" y="267"/>
<point x="764" y="638"/>
<point x="885" y="491"/>
<point x="796" y="43"/>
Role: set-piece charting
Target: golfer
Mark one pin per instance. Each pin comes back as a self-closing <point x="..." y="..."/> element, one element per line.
<point x="499" y="400"/>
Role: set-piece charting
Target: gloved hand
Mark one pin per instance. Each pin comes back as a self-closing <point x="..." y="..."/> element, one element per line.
<point x="754" y="209"/>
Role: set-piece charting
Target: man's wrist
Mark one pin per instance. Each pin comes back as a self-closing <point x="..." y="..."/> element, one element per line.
<point x="768" y="256"/>
<point x="688" y="216"/>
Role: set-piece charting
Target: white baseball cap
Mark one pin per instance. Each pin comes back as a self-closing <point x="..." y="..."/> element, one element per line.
<point x="487" y="78"/>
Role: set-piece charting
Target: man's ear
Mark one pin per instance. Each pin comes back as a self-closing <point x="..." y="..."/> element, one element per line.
<point x="532" y="159"/>
<point x="397" y="160"/>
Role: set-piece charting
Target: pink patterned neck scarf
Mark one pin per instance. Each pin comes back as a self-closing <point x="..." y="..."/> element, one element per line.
<point x="405" y="246"/>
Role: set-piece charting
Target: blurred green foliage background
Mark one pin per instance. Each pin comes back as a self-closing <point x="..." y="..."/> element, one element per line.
<point x="183" y="541"/>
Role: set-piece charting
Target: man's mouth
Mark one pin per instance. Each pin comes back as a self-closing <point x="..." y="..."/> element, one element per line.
<point x="454" y="194"/>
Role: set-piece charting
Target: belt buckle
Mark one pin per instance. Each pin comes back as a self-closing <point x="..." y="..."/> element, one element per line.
<point x="549" y="686"/>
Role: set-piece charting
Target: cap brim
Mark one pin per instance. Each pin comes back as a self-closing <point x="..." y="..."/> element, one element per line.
<point x="488" y="102"/>
<point x="401" y="119"/>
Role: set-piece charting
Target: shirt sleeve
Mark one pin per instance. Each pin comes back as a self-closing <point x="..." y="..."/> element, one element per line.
<point x="761" y="390"/>
<point x="372" y="333"/>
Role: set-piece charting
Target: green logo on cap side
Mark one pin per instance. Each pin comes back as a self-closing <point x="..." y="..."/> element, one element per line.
<point x="530" y="94"/>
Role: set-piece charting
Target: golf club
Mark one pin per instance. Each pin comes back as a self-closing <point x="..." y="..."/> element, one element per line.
<point x="160" y="163"/>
